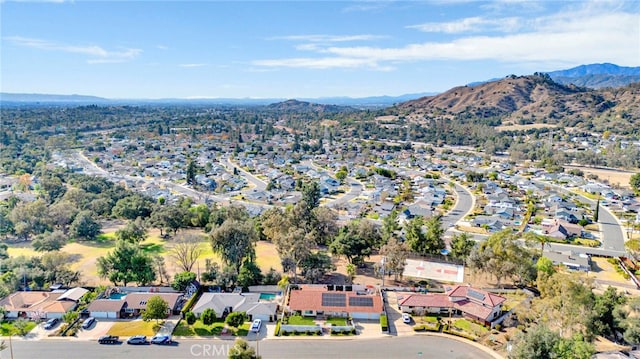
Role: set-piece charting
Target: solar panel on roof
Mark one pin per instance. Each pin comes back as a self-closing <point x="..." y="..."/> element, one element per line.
<point x="360" y="301"/>
<point x="475" y="295"/>
<point x="334" y="300"/>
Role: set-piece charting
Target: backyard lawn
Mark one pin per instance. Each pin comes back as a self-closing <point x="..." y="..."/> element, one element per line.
<point x="136" y="327"/>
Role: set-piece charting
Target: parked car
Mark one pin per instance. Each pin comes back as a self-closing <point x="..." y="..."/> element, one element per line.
<point x="137" y="339"/>
<point x="88" y="322"/>
<point x="406" y="318"/>
<point x="109" y="339"/>
<point x="51" y="323"/>
<point x="161" y="339"/>
<point x="256" y="325"/>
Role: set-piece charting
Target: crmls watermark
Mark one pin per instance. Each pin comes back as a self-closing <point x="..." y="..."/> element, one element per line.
<point x="211" y="350"/>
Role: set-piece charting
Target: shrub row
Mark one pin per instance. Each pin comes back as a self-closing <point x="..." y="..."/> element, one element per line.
<point x="384" y="324"/>
<point x="427" y="328"/>
<point x="191" y="302"/>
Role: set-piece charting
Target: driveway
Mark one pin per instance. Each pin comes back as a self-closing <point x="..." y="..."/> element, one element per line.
<point x="98" y="329"/>
<point x="394" y="316"/>
<point x="39" y="332"/>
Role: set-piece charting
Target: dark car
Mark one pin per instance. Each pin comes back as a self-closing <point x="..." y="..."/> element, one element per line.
<point x="108" y="339"/>
<point x="88" y="322"/>
<point x="51" y="323"/>
<point x="137" y="339"/>
<point x="161" y="339"/>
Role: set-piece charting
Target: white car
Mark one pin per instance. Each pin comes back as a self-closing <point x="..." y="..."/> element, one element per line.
<point x="406" y="318"/>
<point x="256" y="325"/>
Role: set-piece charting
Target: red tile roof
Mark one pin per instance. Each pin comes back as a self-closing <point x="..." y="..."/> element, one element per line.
<point x="479" y="303"/>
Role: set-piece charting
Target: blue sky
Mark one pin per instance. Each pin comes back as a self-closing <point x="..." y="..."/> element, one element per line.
<point x="300" y="49"/>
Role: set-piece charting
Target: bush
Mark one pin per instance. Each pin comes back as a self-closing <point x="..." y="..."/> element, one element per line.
<point x="285" y="333"/>
<point x="190" y="317"/>
<point x="236" y="319"/>
<point x="208" y="316"/>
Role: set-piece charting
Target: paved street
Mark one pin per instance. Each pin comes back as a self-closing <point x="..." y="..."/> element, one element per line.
<point x="415" y="346"/>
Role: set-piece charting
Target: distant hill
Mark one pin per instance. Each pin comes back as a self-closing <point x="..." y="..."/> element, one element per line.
<point x="25" y="97"/>
<point x="533" y="99"/>
<point x="597" y="75"/>
<point x="304" y="106"/>
<point x="372" y="101"/>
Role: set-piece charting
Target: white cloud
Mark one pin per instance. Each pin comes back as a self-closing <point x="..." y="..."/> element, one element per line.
<point x="575" y="36"/>
<point x="191" y="65"/>
<point x="318" y="63"/>
<point x="96" y="53"/>
<point x="328" y="38"/>
<point x="471" y="24"/>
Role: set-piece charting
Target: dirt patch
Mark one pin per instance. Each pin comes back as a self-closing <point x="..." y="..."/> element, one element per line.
<point x="614" y="177"/>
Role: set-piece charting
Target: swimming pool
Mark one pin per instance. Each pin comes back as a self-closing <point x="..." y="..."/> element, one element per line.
<point x="267" y="296"/>
<point x="117" y="296"/>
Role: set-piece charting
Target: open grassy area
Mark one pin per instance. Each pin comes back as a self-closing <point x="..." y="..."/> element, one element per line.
<point x="426" y="319"/>
<point x="300" y="320"/>
<point x="7" y="328"/>
<point x="513" y="299"/>
<point x="136" y="327"/>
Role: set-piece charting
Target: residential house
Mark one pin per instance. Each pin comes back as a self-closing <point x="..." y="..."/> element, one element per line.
<point x="571" y="260"/>
<point x="41" y="304"/>
<point x="355" y="301"/>
<point x="470" y="302"/>
<point x="137" y="302"/>
<point x="107" y="308"/>
<point x="561" y="229"/>
<point x="225" y="303"/>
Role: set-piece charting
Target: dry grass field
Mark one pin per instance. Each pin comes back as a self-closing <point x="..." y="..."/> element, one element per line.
<point x="513" y="127"/>
<point x="613" y="176"/>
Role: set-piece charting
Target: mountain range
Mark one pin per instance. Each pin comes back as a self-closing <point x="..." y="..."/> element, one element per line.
<point x="533" y="99"/>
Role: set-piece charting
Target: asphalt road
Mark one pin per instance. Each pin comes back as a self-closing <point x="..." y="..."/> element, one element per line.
<point x="259" y="185"/>
<point x="463" y="206"/>
<point x="416" y="346"/>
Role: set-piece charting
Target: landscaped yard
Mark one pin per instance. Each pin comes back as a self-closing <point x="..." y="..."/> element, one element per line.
<point x="469" y="327"/>
<point x="136" y="327"/>
<point x="337" y="321"/>
<point x="7" y="328"/>
<point x="215" y="329"/>
<point x="300" y="320"/>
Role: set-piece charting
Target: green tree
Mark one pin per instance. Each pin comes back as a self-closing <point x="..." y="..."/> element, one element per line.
<point x="242" y="350"/>
<point x="249" y="274"/>
<point x="191" y="173"/>
<point x="49" y="241"/>
<point x="234" y="241"/>
<point x="190" y="317"/>
<point x="135" y="231"/>
<point x="208" y="316"/>
<point x="126" y="263"/>
<point x="545" y="266"/>
<point x="236" y="319"/>
<point x="537" y="342"/>
<point x="356" y="241"/>
<point x="634" y="181"/>
<point x="84" y="226"/>
<point x="315" y="266"/>
<point x="603" y="320"/>
<point x="429" y="241"/>
<point x="596" y="211"/>
<point x="132" y="207"/>
<point x="182" y="280"/>
<point x="157" y="308"/>
<point x="461" y="245"/>
<point x="70" y="317"/>
<point x="390" y="226"/>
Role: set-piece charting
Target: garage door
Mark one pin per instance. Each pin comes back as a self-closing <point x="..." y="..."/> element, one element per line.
<point x="263" y="317"/>
<point x="365" y="315"/>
